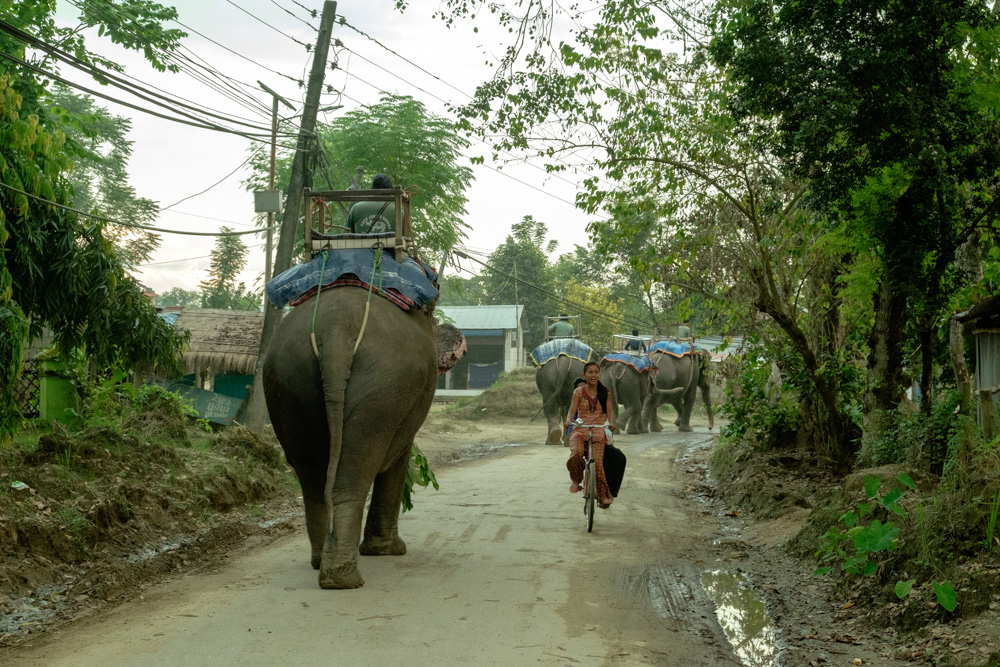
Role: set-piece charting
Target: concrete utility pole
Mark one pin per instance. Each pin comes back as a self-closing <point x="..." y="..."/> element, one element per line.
<point x="274" y="150"/>
<point x="257" y="410"/>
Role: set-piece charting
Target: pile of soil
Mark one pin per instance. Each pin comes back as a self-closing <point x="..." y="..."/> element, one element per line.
<point x="514" y="395"/>
<point x="90" y="516"/>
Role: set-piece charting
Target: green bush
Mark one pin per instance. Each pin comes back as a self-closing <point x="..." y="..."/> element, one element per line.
<point x="750" y="415"/>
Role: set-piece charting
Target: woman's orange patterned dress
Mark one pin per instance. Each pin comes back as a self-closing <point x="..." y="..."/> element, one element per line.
<point x="589" y="409"/>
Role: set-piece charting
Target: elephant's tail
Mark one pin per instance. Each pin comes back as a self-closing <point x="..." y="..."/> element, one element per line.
<point x="335" y="371"/>
<point x="669" y="393"/>
<point x="614" y="385"/>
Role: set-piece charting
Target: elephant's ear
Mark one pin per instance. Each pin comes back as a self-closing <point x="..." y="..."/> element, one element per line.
<point x="450" y="346"/>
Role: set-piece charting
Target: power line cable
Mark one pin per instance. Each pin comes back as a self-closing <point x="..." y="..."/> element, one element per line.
<point x="191" y="259"/>
<point x="171" y="57"/>
<point x="504" y="174"/>
<point x="240" y="166"/>
<point x="240" y="55"/>
<point x="118" y="82"/>
<point x="342" y="21"/>
<point x="312" y="12"/>
<point x="579" y="306"/>
<point x="446" y="103"/>
<point x="132" y="224"/>
<point x="434" y="76"/>
<point x="280" y="32"/>
<point x="294" y="15"/>
<point x="260" y="111"/>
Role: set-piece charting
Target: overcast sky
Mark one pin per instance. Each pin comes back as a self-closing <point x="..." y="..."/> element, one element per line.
<point x="171" y="161"/>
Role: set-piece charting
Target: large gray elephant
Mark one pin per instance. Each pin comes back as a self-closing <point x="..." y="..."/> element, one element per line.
<point x="629" y="387"/>
<point x="554" y="379"/>
<point x="677" y="382"/>
<point x="346" y="419"/>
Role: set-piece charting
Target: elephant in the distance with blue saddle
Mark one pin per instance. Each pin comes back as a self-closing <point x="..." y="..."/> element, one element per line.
<point x="682" y="370"/>
<point x="559" y="362"/>
<point x="629" y="378"/>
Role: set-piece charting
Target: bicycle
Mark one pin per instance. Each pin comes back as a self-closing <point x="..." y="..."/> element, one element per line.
<point x="590" y="473"/>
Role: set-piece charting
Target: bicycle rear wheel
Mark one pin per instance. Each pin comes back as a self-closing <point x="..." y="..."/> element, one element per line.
<point x="591" y="494"/>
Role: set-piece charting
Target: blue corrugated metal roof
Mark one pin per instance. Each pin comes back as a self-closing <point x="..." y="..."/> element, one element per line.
<point x="472" y="318"/>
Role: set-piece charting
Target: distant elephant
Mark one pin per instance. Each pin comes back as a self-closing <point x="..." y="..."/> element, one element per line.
<point x="346" y="420"/>
<point x="677" y="382"/>
<point x="629" y="387"/>
<point x="554" y="379"/>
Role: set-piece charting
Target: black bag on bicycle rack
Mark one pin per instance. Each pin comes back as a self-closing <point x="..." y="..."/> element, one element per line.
<point x="614" y="468"/>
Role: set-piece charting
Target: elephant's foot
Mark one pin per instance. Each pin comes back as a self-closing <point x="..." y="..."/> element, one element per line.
<point x="632" y="431"/>
<point x="383" y="546"/>
<point x="555" y="435"/>
<point x="677" y="422"/>
<point x="316" y="561"/>
<point x="655" y="428"/>
<point x="342" y="576"/>
<point x="685" y="429"/>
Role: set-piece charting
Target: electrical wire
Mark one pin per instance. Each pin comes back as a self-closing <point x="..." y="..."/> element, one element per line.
<point x="107" y="15"/>
<point x="132" y="224"/>
<point x="205" y="125"/>
<point x="259" y="111"/>
<point x="118" y="82"/>
<point x="240" y="166"/>
<point x="254" y="16"/>
<point x="578" y="306"/>
<point x="294" y="15"/>
<point x="191" y="259"/>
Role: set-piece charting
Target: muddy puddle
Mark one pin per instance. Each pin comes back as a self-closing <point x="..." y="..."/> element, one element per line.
<point x="742" y="615"/>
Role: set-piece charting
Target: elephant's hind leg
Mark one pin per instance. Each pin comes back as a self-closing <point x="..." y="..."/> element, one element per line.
<point x="382" y="526"/>
<point x="339" y="567"/>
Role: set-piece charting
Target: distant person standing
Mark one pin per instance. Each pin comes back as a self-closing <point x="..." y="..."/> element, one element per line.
<point x="561" y="328"/>
<point x="635" y="343"/>
<point x="373" y="217"/>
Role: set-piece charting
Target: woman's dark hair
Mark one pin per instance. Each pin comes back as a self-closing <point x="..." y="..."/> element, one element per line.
<point x="602" y="391"/>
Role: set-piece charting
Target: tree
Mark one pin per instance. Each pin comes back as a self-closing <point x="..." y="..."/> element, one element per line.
<point x="398" y="137"/>
<point x="602" y="317"/>
<point x="178" y="296"/>
<point x="99" y="176"/>
<point x="57" y="268"/>
<point x="884" y="107"/>
<point x="672" y="169"/>
<point x="457" y="291"/>
<point x="522" y="253"/>
<point x="221" y="289"/>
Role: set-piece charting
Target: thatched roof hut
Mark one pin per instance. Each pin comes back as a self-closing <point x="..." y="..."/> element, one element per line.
<point x="223" y="341"/>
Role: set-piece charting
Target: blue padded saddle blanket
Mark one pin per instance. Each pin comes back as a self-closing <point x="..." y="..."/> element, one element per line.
<point x="412" y="281"/>
<point x="639" y="363"/>
<point x="673" y="348"/>
<point x="569" y="347"/>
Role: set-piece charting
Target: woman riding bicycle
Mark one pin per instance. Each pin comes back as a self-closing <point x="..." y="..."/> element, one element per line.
<point x="591" y="402"/>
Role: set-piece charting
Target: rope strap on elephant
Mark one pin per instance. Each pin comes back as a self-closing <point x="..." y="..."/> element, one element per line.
<point x="312" y="332"/>
<point x="376" y="269"/>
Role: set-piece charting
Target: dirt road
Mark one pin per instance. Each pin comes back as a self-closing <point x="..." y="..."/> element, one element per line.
<point x="499" y="571"/>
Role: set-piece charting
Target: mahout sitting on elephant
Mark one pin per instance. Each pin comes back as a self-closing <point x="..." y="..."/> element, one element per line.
<point x="346" y="393"/>
<point x="559" y="362"/>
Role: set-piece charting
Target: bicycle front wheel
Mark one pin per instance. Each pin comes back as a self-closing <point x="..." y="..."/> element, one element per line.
<point x="591" y="494"/>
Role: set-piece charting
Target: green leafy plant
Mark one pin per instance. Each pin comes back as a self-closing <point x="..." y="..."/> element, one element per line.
<point x="419" y="473"/>
<point x="860" y="541"/>
<point x="992" y="523"/>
